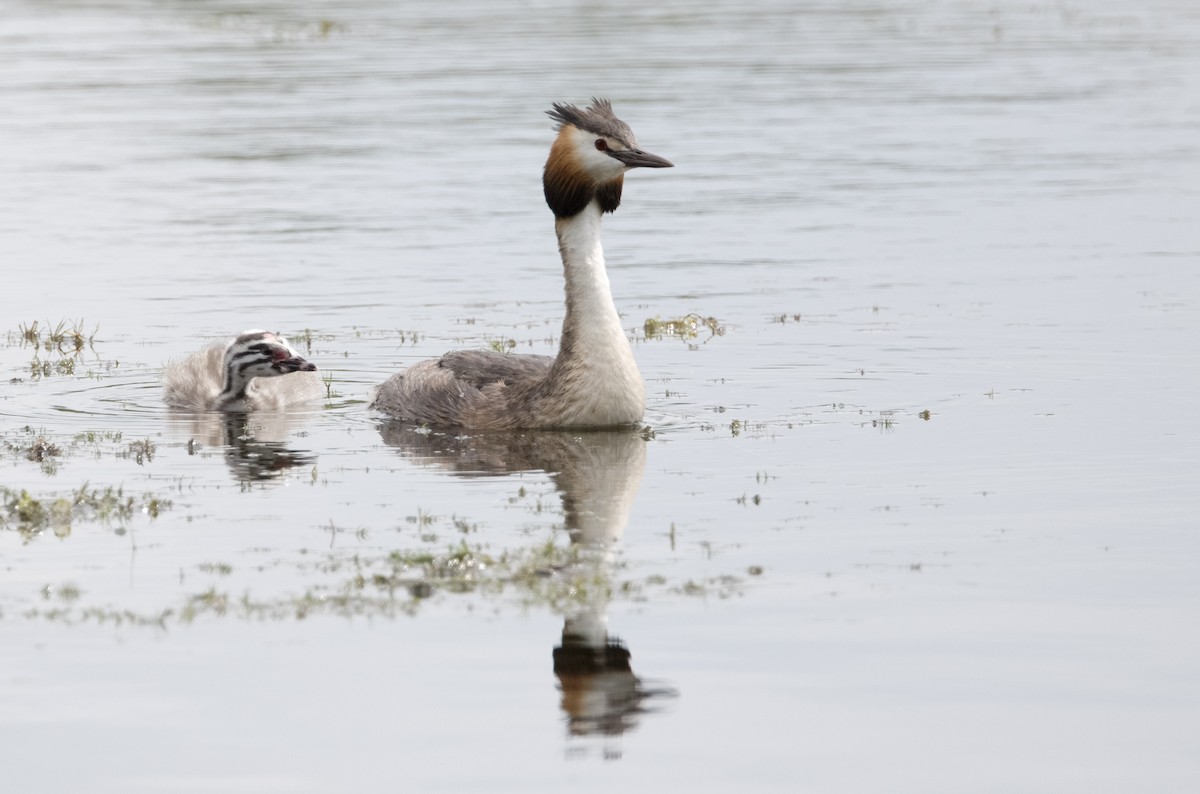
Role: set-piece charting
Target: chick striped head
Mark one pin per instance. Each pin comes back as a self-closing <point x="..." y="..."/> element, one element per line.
<point x="262" y="354"/>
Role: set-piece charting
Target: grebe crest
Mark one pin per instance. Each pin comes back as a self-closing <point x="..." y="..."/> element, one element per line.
<point x="589" y="158"/>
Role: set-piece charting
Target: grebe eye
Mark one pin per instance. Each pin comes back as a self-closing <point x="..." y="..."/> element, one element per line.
<point x="601" y="145"/>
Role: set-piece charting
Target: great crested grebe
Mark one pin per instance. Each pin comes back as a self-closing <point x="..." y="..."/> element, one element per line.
<point x="232" y="375"/>
<point x="593" y="381"/>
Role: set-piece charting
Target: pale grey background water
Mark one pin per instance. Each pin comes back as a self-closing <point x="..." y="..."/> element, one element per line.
<point x="986" y="211"/>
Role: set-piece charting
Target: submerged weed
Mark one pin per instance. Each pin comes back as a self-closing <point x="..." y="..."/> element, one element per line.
<point x="555" y="573"/>
<point x="885" y="422"/>
<point x="686" y="327"/>
<point x="40" y="447"/>
<point x="31" y="516"/>
<point x="56" y="349"/>
<point x="39" y="368"/>
<point x="31" y="334"/>
<point x="423" y="518"/>
<point x="502" y="345"/>
<point x="60" y="338"/>
<point x="141" y="451"/>
<point x="97" y="436"/>
<point x="37" y="448"/>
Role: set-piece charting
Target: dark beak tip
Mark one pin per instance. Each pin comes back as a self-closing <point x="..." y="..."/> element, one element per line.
<point x="636" y="158"/>
<point x="654" y="161"/>
<point x="297" y="365"/>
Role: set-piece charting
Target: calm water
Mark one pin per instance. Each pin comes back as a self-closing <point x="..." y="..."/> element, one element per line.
<point x="922" y="516"/>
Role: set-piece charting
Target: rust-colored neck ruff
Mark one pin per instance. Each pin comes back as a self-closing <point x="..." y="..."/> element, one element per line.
<point x="568" y="186"/>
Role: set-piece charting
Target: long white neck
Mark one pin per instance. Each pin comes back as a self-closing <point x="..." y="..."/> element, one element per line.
<point x="590" y="307"/>
<point x="594" y="346"/>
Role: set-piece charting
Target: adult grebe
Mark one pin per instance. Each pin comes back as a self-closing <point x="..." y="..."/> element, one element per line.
<point x="593" y="381"/>
<point x="232" y="375"/>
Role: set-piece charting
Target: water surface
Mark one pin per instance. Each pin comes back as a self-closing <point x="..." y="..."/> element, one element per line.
<point x="920" y="517"/>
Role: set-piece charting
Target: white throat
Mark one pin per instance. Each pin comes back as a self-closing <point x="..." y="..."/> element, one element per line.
<point x="589" y="294"/>
<point x="599" y="353"/>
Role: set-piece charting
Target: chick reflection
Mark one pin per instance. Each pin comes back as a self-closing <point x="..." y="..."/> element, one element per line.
<point x="597" y="475"/>
<point x="254" y="443"/>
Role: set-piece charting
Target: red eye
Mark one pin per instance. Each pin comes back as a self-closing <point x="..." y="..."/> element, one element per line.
<point x="279" y="354"/>
<point x="601" y="145"/>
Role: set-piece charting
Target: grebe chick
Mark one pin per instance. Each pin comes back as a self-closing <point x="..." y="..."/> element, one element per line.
<point x="593" y="381"/>
<point x="240" y="375"/>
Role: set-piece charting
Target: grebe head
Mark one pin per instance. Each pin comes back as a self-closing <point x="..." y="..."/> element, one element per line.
<point x="589" y="158"/>
<point x="262" y="354"/>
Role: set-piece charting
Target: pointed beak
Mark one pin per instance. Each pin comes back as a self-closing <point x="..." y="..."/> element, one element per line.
<point x="636" y="158"/>
<point x="294" y="364"/>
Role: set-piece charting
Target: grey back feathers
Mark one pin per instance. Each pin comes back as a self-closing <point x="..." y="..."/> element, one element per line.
<point x="470" y="388"/>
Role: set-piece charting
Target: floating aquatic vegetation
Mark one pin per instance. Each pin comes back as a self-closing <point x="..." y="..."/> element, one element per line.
<point x="501" y="345"/>
<point x="35" y="447"/>
<point x="269" y="30"/>
<point x="62" y="337"/>
<point x="141" y="451"/>
<point x="32" y="515"/>
<point x="687" y="327"/>
<point x="560" y="576"/>
<point x="50" y="451"/>
<point x="58" y="349"/>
